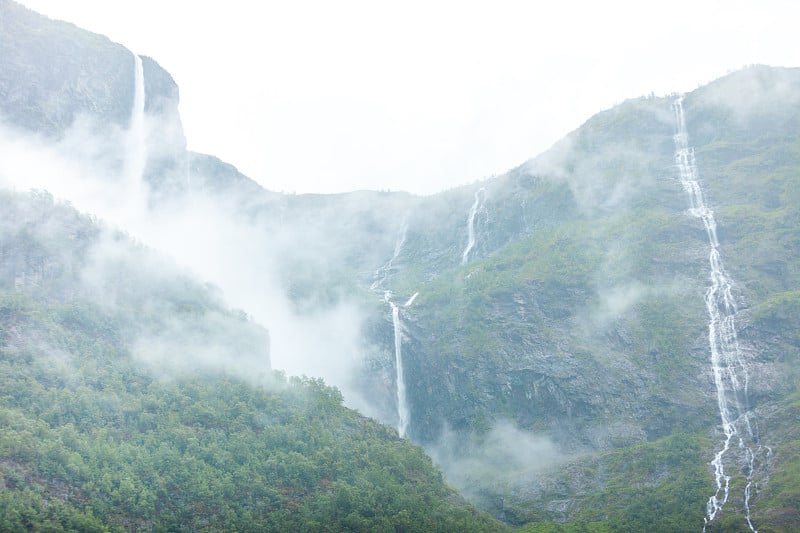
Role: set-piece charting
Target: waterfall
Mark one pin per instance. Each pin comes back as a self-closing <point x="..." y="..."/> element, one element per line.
<point x="402" y="404"/>
<point x="728" y="363"/>
<point x="381" y="275"/>
<point x="403" y="414"/>
<point x="136" y="156"/>
<point x="477" y="205"/>
<point x="383" y="272"/>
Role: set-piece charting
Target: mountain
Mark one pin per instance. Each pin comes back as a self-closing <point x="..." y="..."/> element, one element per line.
<point x="604" y="338"/>
<point x="587" y="324"/>
<point x="133" y="400"/>
<point x="58" y="78"/>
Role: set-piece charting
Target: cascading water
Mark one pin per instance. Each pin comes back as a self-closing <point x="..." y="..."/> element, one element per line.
<point x="728" y="363"/>
<point x="381" y="276"/>
<point x="383" y="272"/>
<point x="411" y="300"/>
<point x="137" y="135"/>
<point x="402" y="404"/>
<point x="136" y="156"/>
<point x="403" y="412"/>
<point x="477" y="205"/>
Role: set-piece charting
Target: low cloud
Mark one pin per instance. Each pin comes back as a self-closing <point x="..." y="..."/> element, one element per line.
<point x="615" y="302"/>
<point x="607" y="163"/>
<point x="753" y="91"/>
<point x="503" y="456"/>
<point x="203" y="237"/>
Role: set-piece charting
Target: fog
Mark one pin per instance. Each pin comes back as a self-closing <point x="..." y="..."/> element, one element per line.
<point x="609" y="174"/>
<point x="752" y="91"/>
<point x="203" y="238"/>
<point x="504" y="456"/>
<point x="476" y="90"/>
<point x="202" y="235"/>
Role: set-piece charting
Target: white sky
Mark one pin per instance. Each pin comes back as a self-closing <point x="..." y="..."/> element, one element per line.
<point x="331" y="96"/>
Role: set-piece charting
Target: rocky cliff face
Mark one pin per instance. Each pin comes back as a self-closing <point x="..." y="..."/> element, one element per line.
<point x="54" y="72"/>
<point x="57" y="78"/>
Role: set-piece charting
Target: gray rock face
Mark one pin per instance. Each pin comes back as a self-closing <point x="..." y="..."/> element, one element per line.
<point x="53" y="72"/>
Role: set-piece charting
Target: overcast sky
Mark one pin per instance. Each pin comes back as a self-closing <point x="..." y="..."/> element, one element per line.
<point x="321" y="96"/>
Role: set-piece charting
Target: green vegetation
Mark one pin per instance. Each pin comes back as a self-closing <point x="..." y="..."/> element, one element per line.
<point x="593" y="313"/>
<point x="94" y="440"/>
<point x="781" y="496"/>
<point x="659" y="486"/>
<point x="209" y="454"/>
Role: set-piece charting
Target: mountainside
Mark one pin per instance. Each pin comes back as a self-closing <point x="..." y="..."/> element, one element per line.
<point x="132" y="401"/>
<point x="590" y="326"/>
<point x="605" y="337"/>
<point x="66" y="83"/>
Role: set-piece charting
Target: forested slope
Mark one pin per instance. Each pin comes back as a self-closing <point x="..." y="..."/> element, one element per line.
<point x="110" y="422"/>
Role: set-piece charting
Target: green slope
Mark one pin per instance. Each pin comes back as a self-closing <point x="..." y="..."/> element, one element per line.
<point x="96" y="438"/>
<point x="589" y="327"/>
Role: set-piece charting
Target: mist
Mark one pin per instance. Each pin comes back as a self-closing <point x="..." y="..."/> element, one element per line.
<point x="503" y="456"/>
<point x="752" y="91"/>
<point x="236" y="252"/>
<point x="611" y="174"/>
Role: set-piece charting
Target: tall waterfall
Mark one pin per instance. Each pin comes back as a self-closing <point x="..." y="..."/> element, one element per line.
<point x="136" y="156"/>
<point x="477" y="205"/>
<point x="381" y="275"/>
<point x="728" y="362"/>
<point x="403" y="412"/>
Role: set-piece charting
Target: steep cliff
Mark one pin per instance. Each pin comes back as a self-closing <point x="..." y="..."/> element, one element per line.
<point x="54" y="72"/>
<point x="59" y="80"/>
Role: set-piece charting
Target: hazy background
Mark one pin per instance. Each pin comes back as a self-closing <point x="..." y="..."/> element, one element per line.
<point x="315" y="96"/>
<point x="200" y="235"/>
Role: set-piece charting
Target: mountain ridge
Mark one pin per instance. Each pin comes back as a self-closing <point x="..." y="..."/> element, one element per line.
<point x="560" y="305"/>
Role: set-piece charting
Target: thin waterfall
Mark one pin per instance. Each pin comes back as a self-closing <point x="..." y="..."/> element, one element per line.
<point x="136" y="156"/>
<point x="381" y="276"/>
<point x="477" y="205"/>
<point x="403" y="412"/>
<point x="383" y="272"/>
<point x="728" y="363"/>
<point x="130" y="198"/>
<point x="411" y="300"/>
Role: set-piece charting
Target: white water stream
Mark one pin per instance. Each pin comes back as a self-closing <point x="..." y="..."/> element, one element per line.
<point x="477" y="205"/>
<point x="381" y="277"/>
<point x="383" y="272"/>
<point x="411" y="300"/>
<point x="728" y="362"/>
<point x="136" y="156"/>
<point x="403" y="412"/>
